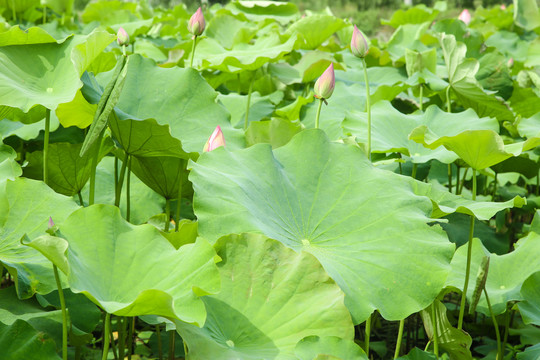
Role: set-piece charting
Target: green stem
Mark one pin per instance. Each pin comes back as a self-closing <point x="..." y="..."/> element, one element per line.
<point x="81" y="202"/>
<point x="179" y="201"/>
<point x="171" y="344"/>
<point x="106" y="336"/>
<point x="368" y="332"/>
<point x="463" y="180"/>
<point x="131" y="331"/>
<point x="427" y="345"/>
<point x="368" y="109"/>
<point x="44" y="14"/>
<point x="193" y="51"/>
<point x="14" y="13"/>
<point x="448" y="107"/>
<point x="318" y="114"/>
<point x="64" y="313"/>
<point x="494" y="188"/>
<point x="435" y="330"/>
<point x="469" y="254"/>
<point x="115" y="173"/>
<point x="46" y="146"/>
<point x="113" y="345"/>
<point x="538" y="184"/>
<point x="128" y="191"/>
<point x="399" y="338"/>
<point x="248" y="103"/>
<point x="159" y="342"/>
<point x="497" y="333"/>
<point x="457" y="178"/>
<point x="414" y="170"/>
<point x="121" y="325"/>
<point x="167" y="214"/>
<point x="121" y="181"/>
<point x="450" y="177"/>
<point x="124" y="50"/>
<point x="506" y="327"/>
<point x="421" y="105"/>
<point x="92" y="187"/>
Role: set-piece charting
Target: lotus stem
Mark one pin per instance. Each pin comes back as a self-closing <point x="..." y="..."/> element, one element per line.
<point x="64" y="313"/>
<point x="399" y="338"/>
<point x="448" y="107"/>
<point x="80" y="198"/>
<point x="106" y="336"/>
<point x="91" y="193"/>
<point x="450" y="177"/>
<point x="318" y="114"/>
<point x="435" y="330"/>
<point x="46" y="146"/>
<point x="414" y="170"/>
<point x="179" y="201"/>
<point x="128" y="191"/>
<point x="193" y="51"/>
<point x="121" y="325"/>
<point x="172" y="334"/>
<point x="469" y="254"/>
<point x="248" y="103"/>
<point x="368" y="332"/>
<point x="14" y="13"/>
<point x="121" y="181"/>
<point x="44" y="14"/>
<point x="159" y="342"/>
<point x="368" y="109"/>
<point x="497" y="333"/>
<point x="167" y="214"/>
<point x="131" y="331"/>
<point x="421" y="104"/>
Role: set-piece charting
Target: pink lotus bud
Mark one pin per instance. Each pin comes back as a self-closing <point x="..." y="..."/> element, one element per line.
<point x="503" y="7"/>
<point x="122" y="37"/>
<point x="359" y="44"/>
<point x="51" y="222"/>
<point x="510" y="62"/>
<point x="465" y="16"/>
<point x="216" y="140"/>
<point x="324" y="86"/>
<point x="196" y="24"/>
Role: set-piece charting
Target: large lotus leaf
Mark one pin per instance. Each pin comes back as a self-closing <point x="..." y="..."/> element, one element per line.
<point x="417" y="354"/>
<point x="260" y="107"/>
<point x="478" y="148"/>
<point x="510" y="44"/>
<point x="333" y="347"/>
<point x="9" y="168"/>
<point x="110" y="12"/>
<point x="13" y="309"/>
<point x="327" y="199"/>
<point x="506" y="272"/>
<point x="316" y="29"/>
<point x="21" y="341"/>
<point x="406" y="37"/>
<point x="416" y="15"/>
<point x="530" y="307"/>
<point x="145" y="202"/>
<point x="229" y="30"/>
<point x="26" y="131"/>
<point x="271" y="297"/>
<point x="391" y="129"/>
<point x="34" y="35"/>
<point x="132" y="270"/>
<point x="494" y="74"/>
<point x="47" y="73"/>
<point x="259" y="10"/>
<point x="524" y="101"/>
<point x="181" y="99"/>
<point x="269" y="48"/>
<point x="276" y="132"/>
<point x="25" y="208"/>
<point x="526" y="14"/>
<point x="529" y="127"/>
<point x="531" y="353"/>
<point x="77" y="112"/>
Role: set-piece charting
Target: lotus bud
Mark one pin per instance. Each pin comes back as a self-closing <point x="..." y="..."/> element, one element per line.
<point x="359" y="44"/>
<point x="324" y="86"/>
<point x="122" y="37"/>
<point x="216" y="140"/>
<point x="465" y="16"/>
<point x="510" y="62"/>
<point x="503" y="7"/>
<point x="51" y="222"/>
<point x="196" y="23"/>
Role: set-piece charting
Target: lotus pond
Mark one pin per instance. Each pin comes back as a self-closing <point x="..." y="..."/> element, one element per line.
<point x="253" y="182"/>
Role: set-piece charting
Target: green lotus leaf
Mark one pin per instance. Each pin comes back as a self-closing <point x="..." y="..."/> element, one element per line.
<point x="21" y="341"/>
<point x="520" y="164"/>
<point x="526" y="14"/>
<point x="9" y="168"/>
<point x="315" y="347"/>
<point x="524" y="101"/>
<point x="229" y="30"/>
<point x="77" y="112"/>
<point x="35" y="114"/>
<point x="140" y="272"/>
<point x="315" y="29"/>
<point x="480" y="149"/>
<point x="418" y="61"/>
<point x="530" y="307"/>
<point x="259" y="10"/>
<point x="415" y="15"/>
<point x="145" y="202"/>
<point x="276" y="132"/>
<point x="271" y="297"/>
<point x="25" y="208"/>
<point x="211" y="54"/>
<point x="313" y="64"/>
<point x="455" y="342"/>
<point x="407" y="37"/>
<point x="391" y="129"/>
<point x="260" y="107"/>
<point x="530" y="353"/>
<point x="34" y="35"/>
<point x="417" y="354"/>
<point x="533" y="54"/>
<point x="327" y="199"/>
<point x="494" y="75"/>
<point x="530" y="127"/>
<point x="110" y="12"/>
<point x="506" y="272"/>
<point x="510" y="44"/>
<point x="26" y="131"/>
<point x="181" y="99"/>
<point x="12" y="309"/>
<point x="52" y="77"/>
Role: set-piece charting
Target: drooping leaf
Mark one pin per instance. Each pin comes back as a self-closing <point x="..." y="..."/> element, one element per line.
<point x="327" y="199"/>
<point x="526" y="14"/>
<point x="21" y="341"/>
<point x="9" y="168"/>
<point x="271" y="297"/>
<point x="172" y="279"/>
<point x="78" y="112"/>
<point x="530" y="307"/>
<point x="319" y="348"/>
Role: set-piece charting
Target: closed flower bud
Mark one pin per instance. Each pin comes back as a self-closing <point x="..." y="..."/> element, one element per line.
<point x="324" y="86"/>
<point x="122" y="37"/>
<point x="196" y="23"/>
<point x="51" y="222"/>
<point x="465" y="16"/>
<point x="359" y="44"/>
<point x="216" y="140"/>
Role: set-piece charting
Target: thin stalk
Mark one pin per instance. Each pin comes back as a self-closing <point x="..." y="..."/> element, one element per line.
<point x="159" y="342"/>
<point x="318" y="114"/>
<point x="469" y="253"/>
<point x="14" y="13"/>
<point x="80" y="198"/>
<point x="44" y="14"/>
<point x="507" y="327"/>
<point x="113" y="345"/>
<point x="399" y="338"/>
<point x="167" y="214"/>
<point x="64" y="313"/>
<point x="171" y="344"/>
<point x="450" y="177"/>
<point x="121" y="181"/>
<point x="121" y="325"/>
<point x="435" y="331"/>
<point x="193" y="51"/>
<point x="106" y="336"/>
<point x="457" y="179"/>
<point x="368" y="109"/>
<point x="463" y="180"/>
<point x="131" y="331"/>
<point x="494" y="188"/>
<point x="179" y="201"/>
<point x="538" y="184"/>
<point x="368" y="332"/>
<point x="92" y="187"/>
<point x="128" y="191"/>
<point x="427" y="345"/>
<point x="78" y="352"/>
<point x="115" y="173"/>
<point x="248" y="103"/>
<point x="46" y="146"/>
<point x="497" y="334"/>
<point x="414" y="170"/>
<point x="124" y="50"/>
<point x="448" y="107"/>
<point x="421" y="105"/>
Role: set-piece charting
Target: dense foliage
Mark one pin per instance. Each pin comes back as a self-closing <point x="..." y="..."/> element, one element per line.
<point x="255" y="182"/>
